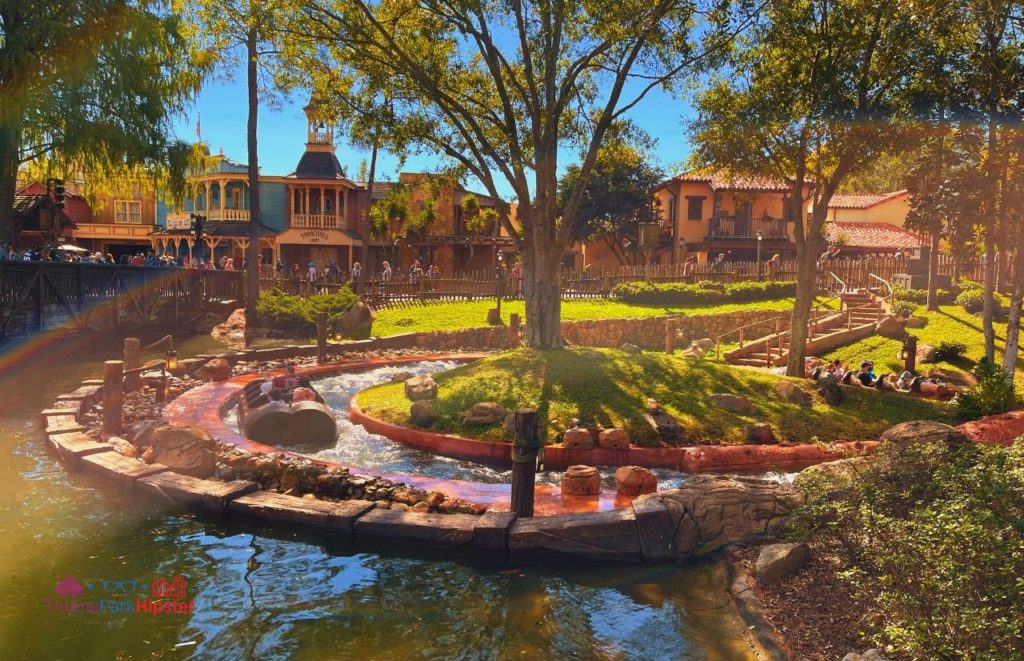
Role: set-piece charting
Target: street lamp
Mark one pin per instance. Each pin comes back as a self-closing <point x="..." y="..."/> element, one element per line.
<point x="500" y="288"/>
<point x="759" y="240"/>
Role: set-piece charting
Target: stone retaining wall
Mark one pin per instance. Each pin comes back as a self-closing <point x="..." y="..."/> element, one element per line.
<point x="649" y="332"/>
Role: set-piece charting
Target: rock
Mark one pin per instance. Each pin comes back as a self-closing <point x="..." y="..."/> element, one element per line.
<point x="357" y="320"/>
<point x="122" y="446"/>
<point x="693" y="352"/>
<point x="891" y="326"/>
<point x="732" y="403"/>
<point x="629" y="348"/>
<point x="792" y="393"/>
<point x="233" y="329"/>
<point x="422" y="414"/>
<point x="217" y="369"/>
<point x="613" y="439"/>
<point x="421" y="507"/>
<point x="581" y="481"/>
<point x="926" y="353"/>
<point x="916" y="322"/>
<point x="828" y="387"/>
<point x="665" y="427"/>
<point x="508" y="426"/>
<point x="578" y="438"/>
<point x="188" y="450"/>
<point x="759" y="433"/>
<point x="401" y="507"/>
<point x="710" y="511"/>
<point x="147" y="455"/>
<point x="401" y="377"/>
<point x="778" y="561"/>
<point x="924" y="431"/>
<point x="964" y="379"/>
<point x="484" y="413"/>
<point x="435" y="498"/>
<point x="421" y="387"/>
<point x="634" y="480"/>
<point x="832" y="474"/>
<point x="705" y="344"/>
<point x="869" y="655"/>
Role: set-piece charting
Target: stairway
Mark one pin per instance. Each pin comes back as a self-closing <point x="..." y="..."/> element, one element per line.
<point x="859" y="312"/>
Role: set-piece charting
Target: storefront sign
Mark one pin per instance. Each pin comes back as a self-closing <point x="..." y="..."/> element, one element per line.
<point x="314" y="236"/>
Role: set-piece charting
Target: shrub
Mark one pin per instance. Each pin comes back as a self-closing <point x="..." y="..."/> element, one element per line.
<point x="904" y="308"/>
<point x="932" y="537"/>
<point x="993" y="394"/>
<point x="920" y="296"/>
<point x="759" y="291"/>
<point x="297" y="314"/>
<point x="950" y="350"/>
<point x="971" y="300"/>
<point x="702" y="293"/>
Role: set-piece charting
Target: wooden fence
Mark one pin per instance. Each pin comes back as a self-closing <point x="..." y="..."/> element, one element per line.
<point x="404" y="290"/>
<point x="35" y="296"/>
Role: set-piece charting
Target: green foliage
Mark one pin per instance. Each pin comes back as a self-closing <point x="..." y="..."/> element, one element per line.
<point x="971" y="300"/>
<point x="950" y="350"/>
<point x="641" y="292"/>
<point x="904" y="308"/>
<point x="993" y="394"/>
<point x="920" y="296"/>
<point x="297" y="314"/>
<point x="933" y="538"/>
<point x="613" y="386"/>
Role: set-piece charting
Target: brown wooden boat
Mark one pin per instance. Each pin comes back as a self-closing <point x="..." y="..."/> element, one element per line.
<point x="274" y="419"/>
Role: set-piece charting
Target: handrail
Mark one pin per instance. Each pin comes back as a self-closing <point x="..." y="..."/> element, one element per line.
<point x="884" y="282"/>
<point x="842" y="284"/>
<point x="718" y="338"/>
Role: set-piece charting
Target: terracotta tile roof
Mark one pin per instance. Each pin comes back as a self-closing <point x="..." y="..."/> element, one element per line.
<point x="876" y="237"/>
<point x="862" y="200"/>
<point x="722" y="180"/>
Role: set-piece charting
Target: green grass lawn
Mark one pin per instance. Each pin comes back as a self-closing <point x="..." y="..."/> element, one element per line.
<point x="470" y="314"/>
<point x="612" y="387"/>
<point x="950" y="323"/>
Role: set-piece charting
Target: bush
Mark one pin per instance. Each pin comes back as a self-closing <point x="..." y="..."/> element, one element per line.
<point x="993" y="394"/>
<point x="297" y="314"/>
<point x="950" y="350"/>
<point x="904" y="308"/>
<point x="920" y="296"/>
<point x="932" y="536"/>
<point x="641" y="292"/>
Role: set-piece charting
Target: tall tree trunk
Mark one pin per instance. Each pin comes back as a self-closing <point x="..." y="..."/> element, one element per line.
<point x="988" y="310"/>
<point x="933" y="272"/>
<point x="10" y="142"/>
<point x="1013" y="323"/>
<point x="365" y="220"/>
<point x="253" y="251"/>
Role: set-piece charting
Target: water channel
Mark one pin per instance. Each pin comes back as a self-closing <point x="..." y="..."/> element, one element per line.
<point x="268" y="595"/>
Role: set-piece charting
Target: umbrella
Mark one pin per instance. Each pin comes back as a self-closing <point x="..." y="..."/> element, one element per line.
<point x="67" y="247"/>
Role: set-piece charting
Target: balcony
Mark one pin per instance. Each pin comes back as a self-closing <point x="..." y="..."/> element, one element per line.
<point x="731" y="227"/>
<point x="228" y="214"/>
<point x="316" y="221"/>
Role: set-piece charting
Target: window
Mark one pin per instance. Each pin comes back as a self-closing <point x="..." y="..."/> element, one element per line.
<point x="128" y="212"/>
<point x="695" y="208"/>
<point x="671" y="219"/>
<point x="236" y="198"/>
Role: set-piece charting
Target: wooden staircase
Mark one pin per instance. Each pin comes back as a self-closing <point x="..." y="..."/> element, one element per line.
<point x="859" y="312"/>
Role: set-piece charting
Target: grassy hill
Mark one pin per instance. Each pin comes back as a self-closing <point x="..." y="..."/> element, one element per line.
<point x="612" y="387"/>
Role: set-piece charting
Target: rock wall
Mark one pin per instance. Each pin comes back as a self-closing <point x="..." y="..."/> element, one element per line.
<point x="649" y="332"/>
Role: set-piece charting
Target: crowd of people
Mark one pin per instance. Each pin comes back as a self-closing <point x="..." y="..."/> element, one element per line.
<point x="865" y="376"/>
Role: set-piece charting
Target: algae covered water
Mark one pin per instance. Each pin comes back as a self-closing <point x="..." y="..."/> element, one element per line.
<point x="257" y="594"/>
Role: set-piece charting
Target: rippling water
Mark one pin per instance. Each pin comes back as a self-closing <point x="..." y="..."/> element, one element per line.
<point x="261" y="594"/>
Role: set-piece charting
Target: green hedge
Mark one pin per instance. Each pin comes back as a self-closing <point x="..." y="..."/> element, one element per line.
<point x="676" y="293"/>
<point x="297" y="314"/>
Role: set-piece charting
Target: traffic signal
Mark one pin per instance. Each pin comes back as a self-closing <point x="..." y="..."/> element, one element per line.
<point x="58" y="192"/>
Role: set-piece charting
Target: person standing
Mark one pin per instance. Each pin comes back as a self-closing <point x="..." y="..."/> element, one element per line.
<point x="385" y="275"/>
<point x="311" y="272"/>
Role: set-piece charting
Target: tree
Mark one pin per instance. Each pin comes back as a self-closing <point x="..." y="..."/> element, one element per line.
<point x="390" y="215"/>
<point x="816" y="92"/>
<point x="249" y="31"/>
<point x="89" y="89"/>
<point x="618" y="196"/>
<point x="500" y="88"/>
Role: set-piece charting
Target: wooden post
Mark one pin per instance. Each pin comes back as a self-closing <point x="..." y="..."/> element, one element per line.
<point x="671" y="328"/>
<point x="321" y="337"/>
<point x="525" y="447"/>
<point x="513" y="329"/>
<point x="113" y="395"/>
<point x="132" y="380"/>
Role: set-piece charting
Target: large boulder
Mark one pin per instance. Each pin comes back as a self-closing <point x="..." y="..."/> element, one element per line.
<point x="634" y="480"/>
<point x="916" y="322"/>
<point x="356" y="321"/>
<point x="777" y="561"/>
<point x="188" y="450"/>
<point x="705" y="343"/>
<point x="732" y="403"/>
<point x="924" y="431"/>
<point x="217" y="369"/>
<point x="422" y="414"/>
<point x="483" y="413"/>
<point x="613" y="439"/>
<point x="233" y="329"/>
<point x="828" y="388"/>
<point x="892" y="327"/>
<point x="401" y="377"/>
<point x="926" y="353"/>
<point x="759" y="433"/>
<point x="629" y="347"/>
<point x="964" y="379"/>
<point x="421" y="387"/>
<point x="581" y="481"/>
<point x="578" y="438"/>
<point x="710" y="511"/>
<point x="792" y="393"/>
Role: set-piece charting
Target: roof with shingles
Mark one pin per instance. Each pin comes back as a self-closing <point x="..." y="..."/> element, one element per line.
<point x="862" y="200"/>
<point x="723" y="180"/>
<point x="872" y="236"/>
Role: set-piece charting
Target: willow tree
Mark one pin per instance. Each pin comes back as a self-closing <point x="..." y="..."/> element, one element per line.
<point x="503" y="88"/>
<point x="816" y="92"/>
<point x="88" y="89"/>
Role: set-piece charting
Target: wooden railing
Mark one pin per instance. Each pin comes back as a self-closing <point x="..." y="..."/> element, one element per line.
<point x="316" y="221"/>
<point x="731" y="227"/>
<point x="36" y="296"/>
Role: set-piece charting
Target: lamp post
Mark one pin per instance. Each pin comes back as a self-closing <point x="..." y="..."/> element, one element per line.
<point x="500" y="285"/>
<point x="759" y="240"/>
<point x="908" y="354"/>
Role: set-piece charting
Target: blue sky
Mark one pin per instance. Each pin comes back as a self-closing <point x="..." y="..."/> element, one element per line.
<point x="282" y="133"/>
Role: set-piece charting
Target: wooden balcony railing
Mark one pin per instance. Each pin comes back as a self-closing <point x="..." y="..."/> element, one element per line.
<point x="730" y="227"/>
<point x="316" y="221"/>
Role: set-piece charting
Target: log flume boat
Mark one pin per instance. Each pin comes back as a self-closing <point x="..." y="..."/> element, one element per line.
<point x="286" y="416"/>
